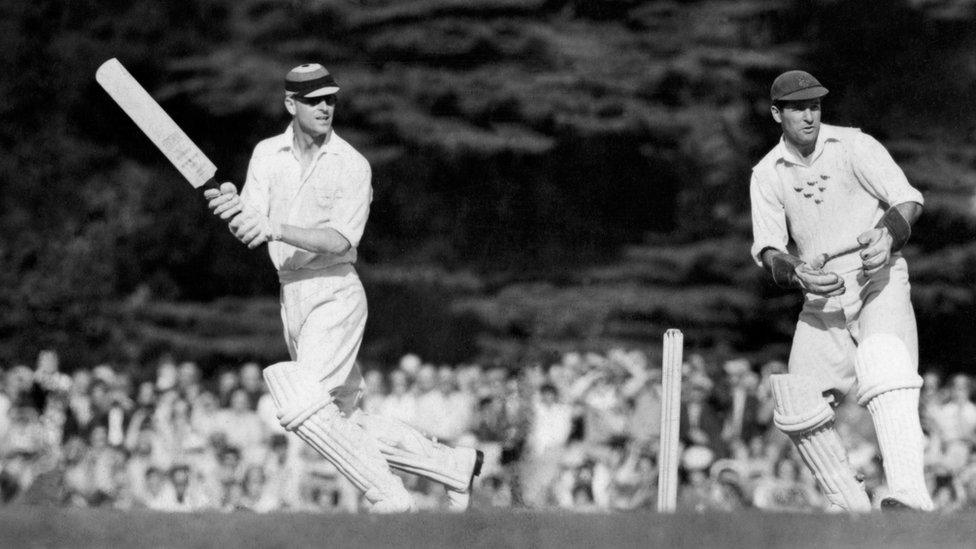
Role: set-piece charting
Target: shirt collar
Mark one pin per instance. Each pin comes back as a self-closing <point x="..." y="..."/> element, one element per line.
<point x="286" y="141"/>
<point x="788" y="153"/>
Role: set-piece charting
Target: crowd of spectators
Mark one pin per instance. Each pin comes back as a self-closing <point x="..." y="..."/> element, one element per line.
<point x="579" y="434"/>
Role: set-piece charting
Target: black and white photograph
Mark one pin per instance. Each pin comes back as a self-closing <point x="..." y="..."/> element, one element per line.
<point x="488" y="273"/>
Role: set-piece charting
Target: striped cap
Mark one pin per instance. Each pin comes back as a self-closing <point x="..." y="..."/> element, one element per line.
<point x="310" y="80"/>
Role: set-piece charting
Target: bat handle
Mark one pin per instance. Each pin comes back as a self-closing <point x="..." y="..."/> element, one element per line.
<point x="210" y="184"/>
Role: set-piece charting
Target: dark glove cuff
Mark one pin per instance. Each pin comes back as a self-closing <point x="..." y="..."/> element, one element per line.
<point x="783" y="266"/>
<point x="898" y="227"/>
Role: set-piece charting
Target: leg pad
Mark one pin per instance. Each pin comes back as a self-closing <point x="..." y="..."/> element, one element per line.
<point x="803" y="413"/>
<point x="318" y="421"/>
<point x="888" y="384"/>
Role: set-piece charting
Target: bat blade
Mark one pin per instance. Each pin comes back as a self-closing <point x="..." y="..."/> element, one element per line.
<point x="172" y="141"/>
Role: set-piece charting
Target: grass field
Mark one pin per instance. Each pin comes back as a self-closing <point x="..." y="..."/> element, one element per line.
<point x="50" y="527"/>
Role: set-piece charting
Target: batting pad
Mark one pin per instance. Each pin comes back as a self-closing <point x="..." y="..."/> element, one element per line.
<point x="889" y="385"/>
<point x="802" y="412"/>
<point x="406" y="449"/>
<point x="317" y="421"/>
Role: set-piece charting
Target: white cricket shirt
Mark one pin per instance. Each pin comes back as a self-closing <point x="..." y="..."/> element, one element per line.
<point x="822" y="207"/>
<point x="334" y="192"/>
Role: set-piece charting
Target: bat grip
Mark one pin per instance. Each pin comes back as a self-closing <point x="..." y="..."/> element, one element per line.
<point x="210" y="184"/>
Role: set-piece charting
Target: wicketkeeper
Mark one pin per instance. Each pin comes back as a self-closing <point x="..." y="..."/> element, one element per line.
<point x="822" y="189"/>
<point x="307" y="195"/>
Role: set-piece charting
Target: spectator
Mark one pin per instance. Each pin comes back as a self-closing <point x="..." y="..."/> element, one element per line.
<point x="401" y="403"/>
<point x="701" y="422"/>
<point x="431" y="403"/>
<point x="581" y="433"/>
<point x="548" y="434"/>
<point x="374" y="392"/>
<point x="242" y="427"/>
<point x="743" y="420"/>
<point x="955" y="422"/>
<point x="785" y="491"/>
<point x="227" y="382"/>
<point x="251" y="382"/>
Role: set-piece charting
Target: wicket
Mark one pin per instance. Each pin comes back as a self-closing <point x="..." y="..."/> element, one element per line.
<point x="667" y="479"/>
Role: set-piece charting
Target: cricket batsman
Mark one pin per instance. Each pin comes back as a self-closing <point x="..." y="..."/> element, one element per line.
<point x="821" y="191"/>
<point x="307" y="195"/>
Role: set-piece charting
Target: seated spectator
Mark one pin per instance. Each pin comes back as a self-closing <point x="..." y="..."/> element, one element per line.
<point x="283" y="471"/>
<point x="741" y="401"/>
<point x="242" y="427"/>
<point x="955" y="422"/>
<point x="251" y="382"/>
<point x="430" y="402"/>
<point x="785" y="491"/>
<point x="184" y="494"/>
<point x="158" y="492"/>
<point x="401" y="403"/>
<point x="227" y="382"/>
<point x="188" y="380"/>
<point x="257" y="495"/>
<point x="701" y="420"/>
<point x="372" y="402"/>
<point x="458" y="408"/>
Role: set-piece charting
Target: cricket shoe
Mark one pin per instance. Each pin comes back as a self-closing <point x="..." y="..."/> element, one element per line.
<point x="470" y="460"/>
<point x="902" y="502"/>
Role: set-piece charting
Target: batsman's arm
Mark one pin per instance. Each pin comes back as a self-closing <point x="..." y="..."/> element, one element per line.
<point x="321" y="241"/>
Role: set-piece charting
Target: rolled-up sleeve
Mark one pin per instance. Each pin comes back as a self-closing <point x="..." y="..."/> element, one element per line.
<point x="256" y="194"/>
<point x="877" y="171"/>
<point x="349" y="214"/>
<point x="769" y="229"/>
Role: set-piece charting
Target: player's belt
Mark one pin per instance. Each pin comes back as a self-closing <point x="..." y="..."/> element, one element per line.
<point x="290" y="276"/>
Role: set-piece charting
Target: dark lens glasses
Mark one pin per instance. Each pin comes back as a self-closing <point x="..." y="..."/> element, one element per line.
<point x="329" y="100"/>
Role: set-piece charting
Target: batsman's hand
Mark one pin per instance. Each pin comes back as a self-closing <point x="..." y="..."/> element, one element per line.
<point x="253" y="229"/>
<point x="225" y="203"/>
<point x="819" y="282"/>
<point x="877" y="249"/>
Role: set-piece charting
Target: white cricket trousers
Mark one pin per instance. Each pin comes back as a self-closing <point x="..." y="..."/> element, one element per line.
<point x="324" y="316"/>
<point x="829" y="329"/>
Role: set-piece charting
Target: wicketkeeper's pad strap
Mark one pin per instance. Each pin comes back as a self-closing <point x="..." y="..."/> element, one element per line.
<point x="898" y="227"/>
<point x="799" y="404"/>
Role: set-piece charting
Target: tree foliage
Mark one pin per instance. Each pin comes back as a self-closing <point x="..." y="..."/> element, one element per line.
<point x="582" y="167"/>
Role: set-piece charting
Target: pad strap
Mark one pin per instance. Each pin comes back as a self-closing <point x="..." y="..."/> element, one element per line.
<point x="898" y="227"/>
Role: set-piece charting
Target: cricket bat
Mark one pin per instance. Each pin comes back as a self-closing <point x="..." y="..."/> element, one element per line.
<point x="156" y="124"/>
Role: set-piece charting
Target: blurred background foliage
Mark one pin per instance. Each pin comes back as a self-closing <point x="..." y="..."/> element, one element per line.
<point x="548" y="175"/>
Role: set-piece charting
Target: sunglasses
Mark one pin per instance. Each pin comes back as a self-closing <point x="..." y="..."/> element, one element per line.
<point x="329" y="100"/>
